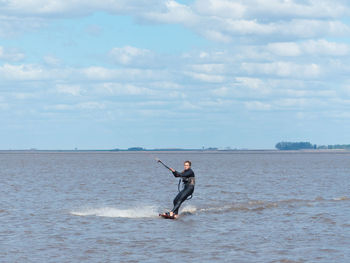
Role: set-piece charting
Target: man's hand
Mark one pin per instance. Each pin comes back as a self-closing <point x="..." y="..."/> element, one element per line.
<point x="171" y="169"/>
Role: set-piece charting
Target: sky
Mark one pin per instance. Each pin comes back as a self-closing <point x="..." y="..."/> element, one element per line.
<point x="105" y="74"/>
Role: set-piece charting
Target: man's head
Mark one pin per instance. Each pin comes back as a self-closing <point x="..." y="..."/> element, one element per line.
<point x="187" y="165"/>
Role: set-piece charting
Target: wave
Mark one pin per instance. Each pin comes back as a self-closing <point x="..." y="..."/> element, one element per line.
<point x="136" y="212"/>
<point x="258" y="205"/>
<point x="251" y="205"/>
<point x="342" y="198"/>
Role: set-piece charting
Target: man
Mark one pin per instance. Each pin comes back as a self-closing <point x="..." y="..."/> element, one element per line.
<point x="188" y="180"/>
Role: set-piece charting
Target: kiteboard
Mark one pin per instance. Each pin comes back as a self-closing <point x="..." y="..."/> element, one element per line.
<point x="167" y="216"/>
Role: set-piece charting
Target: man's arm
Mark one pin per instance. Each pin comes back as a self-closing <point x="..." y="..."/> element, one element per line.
<point x="188" y="173"/>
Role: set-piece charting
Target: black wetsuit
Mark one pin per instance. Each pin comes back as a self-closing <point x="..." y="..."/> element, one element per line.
<point x="189" y="182"/>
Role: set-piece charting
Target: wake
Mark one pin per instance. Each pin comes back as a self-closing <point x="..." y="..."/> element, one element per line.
<point x="153" y="211"/>
<point x="136" y="212"/>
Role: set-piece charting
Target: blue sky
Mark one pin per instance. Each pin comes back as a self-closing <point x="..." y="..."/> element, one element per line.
<point x="118" y="74"/>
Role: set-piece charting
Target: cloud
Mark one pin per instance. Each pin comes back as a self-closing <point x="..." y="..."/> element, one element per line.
<point x="129" y="55"/>
<point x="210" y="8"/>
<point x="56" y="9"/>
<point x="221" y="92"/>
<point x="226" y="30"/>
<point x="172" y="12"/>
<point x="206" y="77"/>
<point x="84" y="106"/>
<point x="257" y="106"/>
<point x="218" y="20"/>
<point x="123" y="89"/>
<point x="91" y="105"/>
<point x="52" y="61"/>
<point x="291" y="8"/>
<point x="288" y="49"/>
<point x="266" y="61"/>
<point x="21" y="72"/>
<point x="283" y="69"/>
<point x="23" y="96"/>
<point x="223" y="20"/>
<point x="125" y="74"/>
<point x="222" y="8"/>
<point x="272" y="8"/>
<point x="317" y="47"/>
<point x="14" y="25"/>
<point x="209" y="68"/>
<point x="325" y="48"/>
<point x="255" y="85"/>
<point x="74" y="90"/>
<point x="10" y="54"/>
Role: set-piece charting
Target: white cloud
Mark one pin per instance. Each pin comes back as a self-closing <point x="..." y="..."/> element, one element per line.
<point x="23" y="96"/>
<point x="275" y="9"/>
<point x="219" y="20"/>
<point x="257" y="105"/>
<point x="91" y="105"/>
<point x="21" y="72"/>
<point x="10" y="54"/>
<point x="255" y="85"/>
<point x="223" y="20"/>
<point x="338" y="115"/>
<point x="222" y="8"/>
<point x="107" y="74"/>
<point x="59" y="107"/>
<point x="51" y="60"/>
<point x="221" y="92"/>
<point x="216" y="36"/>
<point x="172" y="12"/>
<point x="130" y="55"/>
<point x="209" y="68"/>
<point x="206" y="77"/>
<point x="13" y="25"/>
<point x="293" y="102"/>
<point x="100" y="73"/>
<point x="74" y="90"/>
<point x="283" y="69"/>
<point x="216" y="77"/>
<point x="28" y="72"/>
<point x="290" y="49"/>
<point x="324" y="47"/>
<point x="274" y="55"/>
<point x="285" y="29"/>
<point x="310" y="28"/>
<point x="76" y="7"/>
<point x="293" y="8"/>
<point x="123" y="89"/>
<point x="319" y="47"/>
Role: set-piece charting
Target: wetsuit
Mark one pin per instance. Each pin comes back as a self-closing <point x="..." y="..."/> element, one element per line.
<point x="189" y="182"/>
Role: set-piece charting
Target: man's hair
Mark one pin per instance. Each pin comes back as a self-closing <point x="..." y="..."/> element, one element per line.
<point x="188" y="162"/>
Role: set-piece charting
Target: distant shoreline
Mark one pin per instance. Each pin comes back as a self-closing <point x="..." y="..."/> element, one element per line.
<point x="179" y="150"/>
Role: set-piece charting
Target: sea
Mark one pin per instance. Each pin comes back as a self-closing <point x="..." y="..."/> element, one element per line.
<point x="247" y="207"/>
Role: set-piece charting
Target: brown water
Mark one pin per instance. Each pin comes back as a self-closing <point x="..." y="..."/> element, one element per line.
<point x="103" y="207"/>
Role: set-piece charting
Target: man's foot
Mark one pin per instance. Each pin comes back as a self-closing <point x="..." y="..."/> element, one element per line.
<point x="171" y="214"/>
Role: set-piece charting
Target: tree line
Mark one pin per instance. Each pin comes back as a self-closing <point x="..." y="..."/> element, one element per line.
<point x="308" y="145"/>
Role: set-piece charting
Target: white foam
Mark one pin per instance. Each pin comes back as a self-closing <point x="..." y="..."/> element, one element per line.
<point x="189" y="209"/>
<point x="342" y="198"/>
<point x="136" y="212"/>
